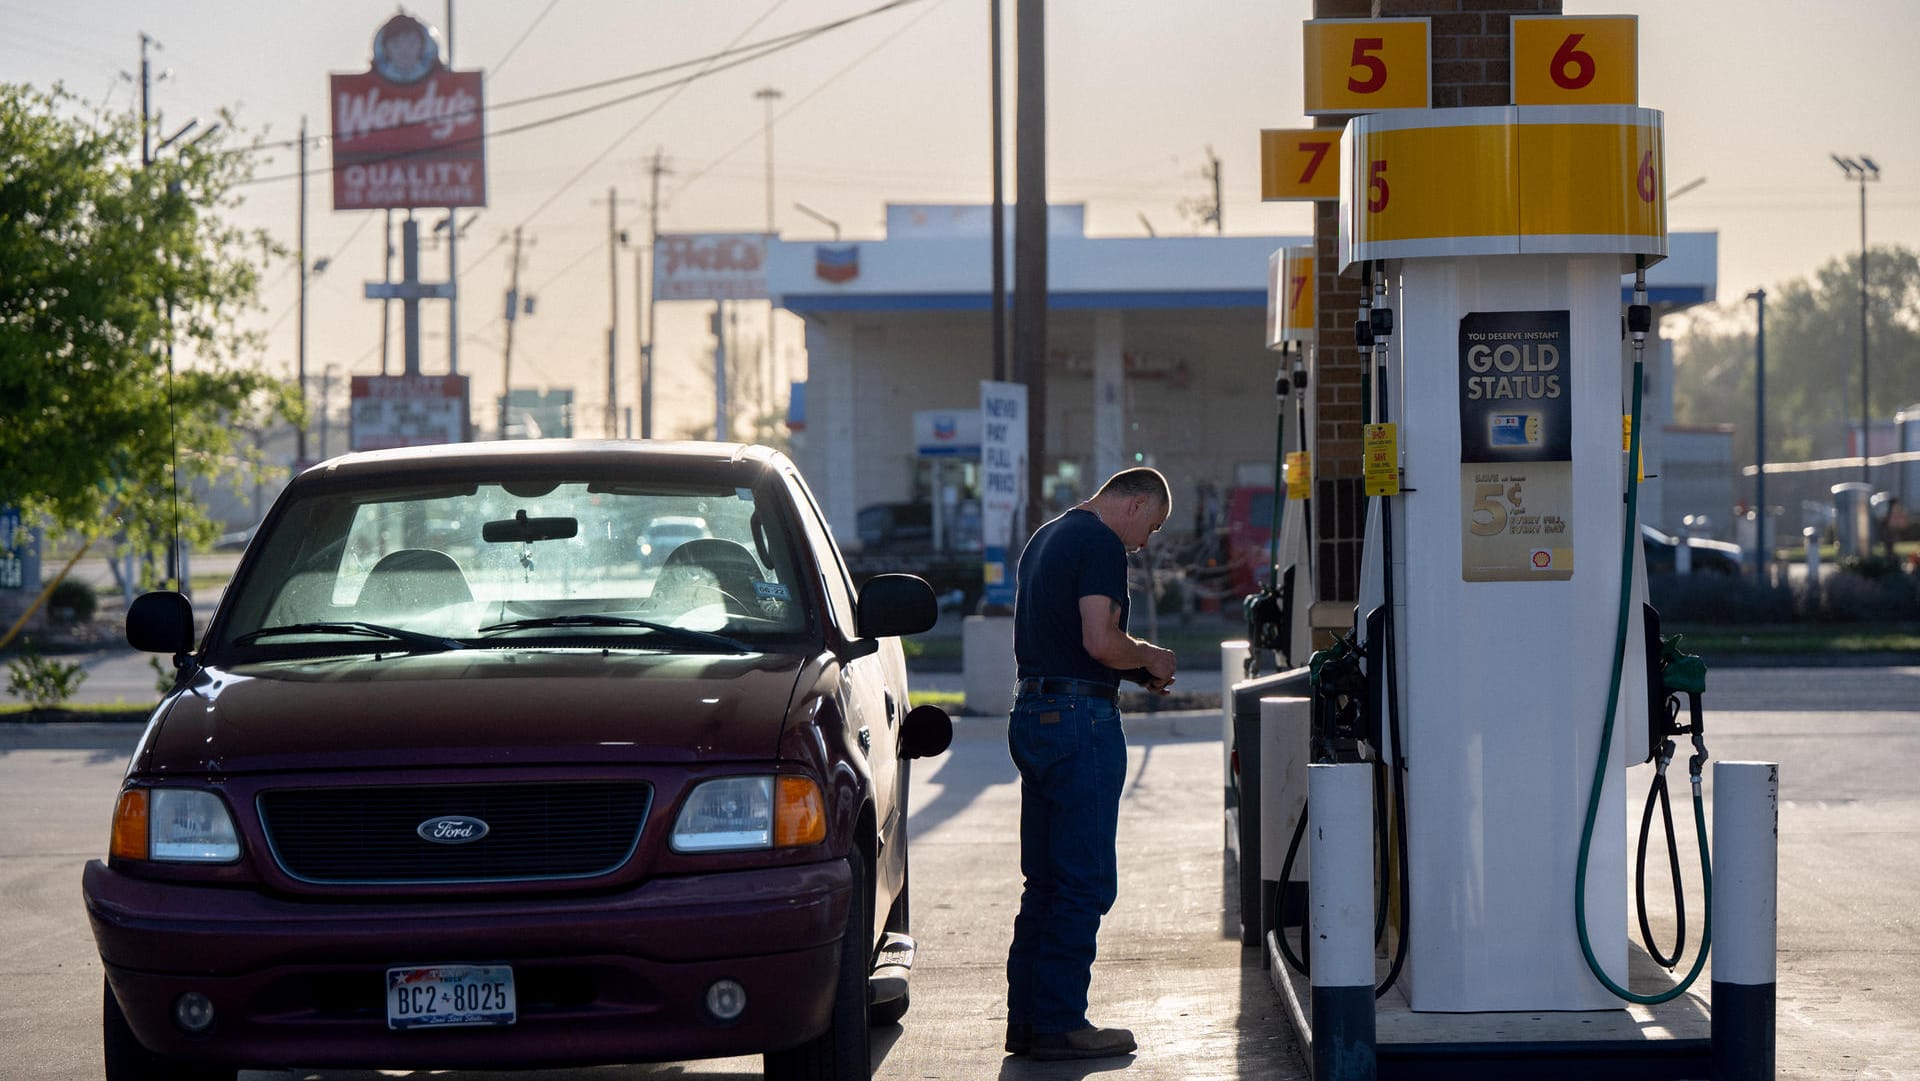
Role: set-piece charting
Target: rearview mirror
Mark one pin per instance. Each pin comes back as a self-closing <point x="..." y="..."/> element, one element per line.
<point x="521" y="529"/>
<point x="160" y="622"/>
<point x="926" y="731"/>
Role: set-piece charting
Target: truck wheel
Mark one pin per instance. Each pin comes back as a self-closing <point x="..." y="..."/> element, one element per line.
<point x="129" y="1060"/>
<point x="840" y="1053"/>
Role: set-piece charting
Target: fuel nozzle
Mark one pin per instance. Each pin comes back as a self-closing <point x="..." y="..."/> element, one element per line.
<point x="1683" y="673"/>
<point x="1639" y="313"/>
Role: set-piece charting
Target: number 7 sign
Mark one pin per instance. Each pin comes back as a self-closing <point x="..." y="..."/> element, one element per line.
<point x="1299" y="164"/>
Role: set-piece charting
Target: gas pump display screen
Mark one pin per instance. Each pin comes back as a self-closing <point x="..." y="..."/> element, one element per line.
<point x="1516" y="447"/>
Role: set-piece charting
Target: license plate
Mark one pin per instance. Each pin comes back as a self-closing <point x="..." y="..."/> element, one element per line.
<point x="446" y="996"/>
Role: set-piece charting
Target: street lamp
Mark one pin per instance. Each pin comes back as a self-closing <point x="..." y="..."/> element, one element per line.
<point x="1861" y="171"/>
<point x="819" y="217"/>
<point x="1762" y="550"/>
<point x="769" y="95"/>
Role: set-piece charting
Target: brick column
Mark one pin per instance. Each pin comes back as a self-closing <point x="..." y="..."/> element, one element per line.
<point x="1472" y="46"/>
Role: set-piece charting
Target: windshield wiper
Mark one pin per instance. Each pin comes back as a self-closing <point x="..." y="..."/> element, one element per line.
<point x="685" y="634"/>
<point x="356" y="628"/>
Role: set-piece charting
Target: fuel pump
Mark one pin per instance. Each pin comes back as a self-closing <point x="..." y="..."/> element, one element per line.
<point x="1276" y="615"/>
<point x="1493" y="458"/>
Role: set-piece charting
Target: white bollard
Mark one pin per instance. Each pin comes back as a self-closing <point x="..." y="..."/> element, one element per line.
<point x="1233" y="669"/>
<point x="1745" y="913"/>
<point x="1340" y="825"/>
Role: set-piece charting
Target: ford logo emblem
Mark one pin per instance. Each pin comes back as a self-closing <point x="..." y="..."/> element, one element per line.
<point x="451" y="830"/>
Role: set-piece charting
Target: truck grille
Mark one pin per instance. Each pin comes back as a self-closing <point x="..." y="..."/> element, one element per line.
<point x="364" y="835"/>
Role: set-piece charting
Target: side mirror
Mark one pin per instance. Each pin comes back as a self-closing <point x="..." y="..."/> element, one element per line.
<point x="161" y="622"/>
<point x="926" y="731"/>
<point x="891" y="605"/>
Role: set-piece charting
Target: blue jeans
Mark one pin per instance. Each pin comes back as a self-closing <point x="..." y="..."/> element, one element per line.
<point x="1072" y="756"/>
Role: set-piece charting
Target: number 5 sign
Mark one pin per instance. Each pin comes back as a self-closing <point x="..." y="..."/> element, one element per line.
<point x="1366" y="65"/>
<point x="1575" y="61"/>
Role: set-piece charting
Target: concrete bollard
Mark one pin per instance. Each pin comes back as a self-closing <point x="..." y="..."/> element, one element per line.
<point x="1746" y="852"/>
<point x="1340" y="813"/>
<point x="1233" y="669"/>
<point x="1285" y="725"/>
<point x="1811" y="538"/>
<point x="986" y="663"/>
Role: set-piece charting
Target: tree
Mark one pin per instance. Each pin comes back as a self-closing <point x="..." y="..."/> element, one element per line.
<point x="1813" y="357"/>
<point x="106" y="264"/>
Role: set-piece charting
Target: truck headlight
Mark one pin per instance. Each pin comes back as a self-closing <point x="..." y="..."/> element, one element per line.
<point x="735" y="813"/>
<point x="175" y="825"/>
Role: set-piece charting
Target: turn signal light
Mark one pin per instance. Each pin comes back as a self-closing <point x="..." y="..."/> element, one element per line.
<point x="130" y="826"/>
<point x="800" y="813"/>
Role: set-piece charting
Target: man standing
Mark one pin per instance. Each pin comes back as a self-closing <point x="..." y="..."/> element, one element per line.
<point x="1071" y="646"/>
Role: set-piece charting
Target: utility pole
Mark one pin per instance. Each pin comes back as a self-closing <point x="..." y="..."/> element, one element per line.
<point x="657" y="167"/>
<point x="1762" y="550"/>
<point x="719" y="325"/>
<point x="1861" y="171"/>
<point x="146" y="139"/>
<point x="1219" y="208"/>
<point x="769" y="95"/>
<point x="386" y="278"/>
<point x="300" y="438"/>
<point x="513" y="316"/>
<point x="453" y="250"/>
<point x="1030" y="249"/>
<point x="999" y="203"/>
<point x="615" y="238"/>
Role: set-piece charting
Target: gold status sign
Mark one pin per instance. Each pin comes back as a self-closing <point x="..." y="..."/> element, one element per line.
<point x="1516" y="447"/>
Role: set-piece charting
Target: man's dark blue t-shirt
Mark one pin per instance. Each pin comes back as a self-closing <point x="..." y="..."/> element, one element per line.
<point x="1071" y="557"/>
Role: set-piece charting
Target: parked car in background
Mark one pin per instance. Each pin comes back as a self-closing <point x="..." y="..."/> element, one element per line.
<point x="1705" y="556"/>
<point x="667" y="532"/>
<point x="1249" y="538"/>
<point x="512" y="803"/>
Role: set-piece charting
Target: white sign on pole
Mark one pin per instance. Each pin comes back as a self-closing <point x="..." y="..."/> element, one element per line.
<point x="1003" y="475"/>
<point x="710" y="266"/>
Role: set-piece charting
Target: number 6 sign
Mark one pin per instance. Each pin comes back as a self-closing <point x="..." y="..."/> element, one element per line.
<point x="1575" y="61"/>
<point x="1366" y="65"/>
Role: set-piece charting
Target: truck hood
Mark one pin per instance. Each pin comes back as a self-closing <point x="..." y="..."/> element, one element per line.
<point x="473" y="707"/>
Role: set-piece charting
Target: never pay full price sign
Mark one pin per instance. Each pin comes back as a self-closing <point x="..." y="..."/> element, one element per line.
<point x="1516" y="447"/>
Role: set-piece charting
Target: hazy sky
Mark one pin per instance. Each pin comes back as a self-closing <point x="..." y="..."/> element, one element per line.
<point x="1756" y="94"/>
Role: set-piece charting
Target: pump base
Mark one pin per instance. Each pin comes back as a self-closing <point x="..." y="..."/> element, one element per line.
<point x="1596" y="1045"/>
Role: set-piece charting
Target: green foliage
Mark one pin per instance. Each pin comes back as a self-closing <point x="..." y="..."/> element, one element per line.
<point x="40" y="682"/>
<point x="1813" y="357"/>
<point x="105" y="264"/>
<point x="164" y="676"/>
<point x="75" y="596"/>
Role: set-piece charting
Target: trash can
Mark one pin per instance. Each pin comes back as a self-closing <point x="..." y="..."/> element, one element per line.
<point x="1853" y="518"/>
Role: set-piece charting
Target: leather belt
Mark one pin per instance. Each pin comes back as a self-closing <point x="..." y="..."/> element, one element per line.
<point x="1085" y="688"/>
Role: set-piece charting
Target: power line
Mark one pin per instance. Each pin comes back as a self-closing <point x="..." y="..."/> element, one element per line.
<point x="811" y="94"/>
<point x="740" y="54"/>
<point x="524" y="35"/>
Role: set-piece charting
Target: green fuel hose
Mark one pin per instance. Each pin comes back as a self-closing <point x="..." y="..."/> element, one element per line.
<point x="1606" y="740"/>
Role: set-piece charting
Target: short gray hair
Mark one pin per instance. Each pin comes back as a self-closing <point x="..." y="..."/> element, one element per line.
<point x="1140" y="480"/>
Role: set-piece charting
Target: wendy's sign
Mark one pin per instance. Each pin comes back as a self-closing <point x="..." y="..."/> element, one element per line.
<point x="408" y="132"/>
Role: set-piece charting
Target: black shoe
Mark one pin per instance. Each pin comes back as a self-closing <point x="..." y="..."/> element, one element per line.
<point x="1089" y="1042"/>
<point x="1019" y="1038"/>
